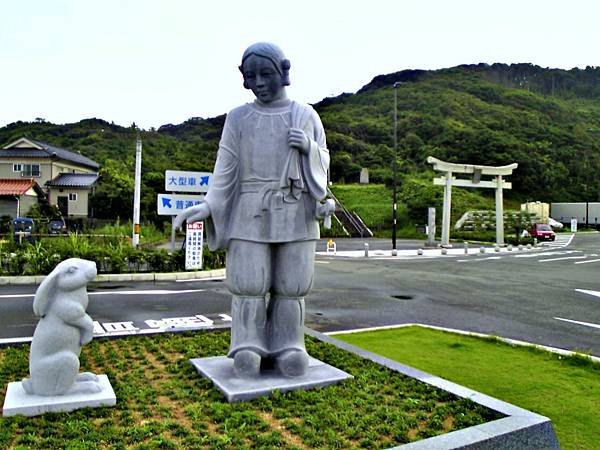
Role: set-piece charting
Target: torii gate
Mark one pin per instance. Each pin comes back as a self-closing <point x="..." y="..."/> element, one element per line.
<point x="476" y="171"/>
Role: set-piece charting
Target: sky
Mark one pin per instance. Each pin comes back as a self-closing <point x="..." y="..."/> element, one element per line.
<point x="155" y="62"/>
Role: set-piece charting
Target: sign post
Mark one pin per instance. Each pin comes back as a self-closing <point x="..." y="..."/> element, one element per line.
<point x="193" y="246"/>
<point x="182" y="181"/>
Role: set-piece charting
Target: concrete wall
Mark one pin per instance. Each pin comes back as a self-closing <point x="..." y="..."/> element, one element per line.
<point x="6" y="170"/>
<point x="8" y="206"/>
<point x="48" y="169"/>
<point x="563" y="212"/>
<point x="77" y="208"/>
<point x="541" y="210"/>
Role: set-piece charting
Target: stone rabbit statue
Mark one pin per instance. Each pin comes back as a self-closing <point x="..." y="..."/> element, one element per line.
<point x="61" y="301"/>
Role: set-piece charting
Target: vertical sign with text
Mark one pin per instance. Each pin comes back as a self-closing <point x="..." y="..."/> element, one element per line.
<point x="193" y="246"/>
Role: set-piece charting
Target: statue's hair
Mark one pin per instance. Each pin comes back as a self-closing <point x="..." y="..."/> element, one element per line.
<point x="274" y="54"/>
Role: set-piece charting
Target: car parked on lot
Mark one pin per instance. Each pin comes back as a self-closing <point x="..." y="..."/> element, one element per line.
<point x="57" y="226"/>
<point x="543" y="232"/>
<point x="23" y="228"/>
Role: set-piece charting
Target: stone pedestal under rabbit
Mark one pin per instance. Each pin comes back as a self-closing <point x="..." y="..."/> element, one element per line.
<point x="55" y="383"/>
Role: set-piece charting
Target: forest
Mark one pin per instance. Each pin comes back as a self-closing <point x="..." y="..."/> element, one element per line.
<point x="546" y="120"/>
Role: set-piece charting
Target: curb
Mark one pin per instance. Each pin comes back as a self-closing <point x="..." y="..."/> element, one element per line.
<point x="121" y="277"/>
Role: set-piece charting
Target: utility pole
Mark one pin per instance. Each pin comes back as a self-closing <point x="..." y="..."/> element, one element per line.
<point x="395" y="170"/>
<point x="135" y="240"/>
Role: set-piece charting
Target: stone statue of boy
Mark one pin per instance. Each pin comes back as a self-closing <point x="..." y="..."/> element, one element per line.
<point x="262" y="206"/>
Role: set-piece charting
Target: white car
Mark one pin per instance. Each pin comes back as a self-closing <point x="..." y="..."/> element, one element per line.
<point x="554" y="224"/>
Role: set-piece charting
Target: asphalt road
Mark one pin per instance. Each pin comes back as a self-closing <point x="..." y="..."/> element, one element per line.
<point x="546" y="297"/>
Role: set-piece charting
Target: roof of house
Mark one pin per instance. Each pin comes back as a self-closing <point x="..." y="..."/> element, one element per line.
<point x="16" y="187"/>
<point x="81" y="180"/>
<point x="29" y="148"/>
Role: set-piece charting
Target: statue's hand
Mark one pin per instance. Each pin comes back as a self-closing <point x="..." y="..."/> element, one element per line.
<point x="298" y="139"/>
<point x="192" y="214"/>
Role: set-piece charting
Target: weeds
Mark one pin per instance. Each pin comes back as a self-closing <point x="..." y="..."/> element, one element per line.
<point x="163" y="403"/>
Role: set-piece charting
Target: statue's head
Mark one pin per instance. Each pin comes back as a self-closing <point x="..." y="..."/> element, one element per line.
<point x="266" y="71"/>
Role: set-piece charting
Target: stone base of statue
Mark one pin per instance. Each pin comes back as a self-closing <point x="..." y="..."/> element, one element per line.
<point x="220" y="371"/>
<point x="17" y="401"/>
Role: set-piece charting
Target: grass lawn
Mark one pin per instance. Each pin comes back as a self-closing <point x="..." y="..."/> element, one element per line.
<point x="163" y="403"/>
<point x="372" y="202"/>
<point x="565" y="389"/>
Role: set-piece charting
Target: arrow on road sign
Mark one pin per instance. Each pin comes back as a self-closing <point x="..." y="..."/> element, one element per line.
<point x="166" y="202"/>
<point x="203" y="181"/>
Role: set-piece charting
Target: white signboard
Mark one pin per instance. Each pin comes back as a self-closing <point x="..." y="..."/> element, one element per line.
<point x="193" y="246"/>
<point x="173" y="204"/>
<point x="573" y="225"/>
<point x="180" y="181"/>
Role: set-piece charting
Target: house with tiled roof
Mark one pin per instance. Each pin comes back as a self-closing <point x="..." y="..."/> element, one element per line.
<point x="18" y="195"/>
<point x="63" y="178"/>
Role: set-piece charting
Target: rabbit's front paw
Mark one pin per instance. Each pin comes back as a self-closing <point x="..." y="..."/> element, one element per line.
<point x="85" y="338"/>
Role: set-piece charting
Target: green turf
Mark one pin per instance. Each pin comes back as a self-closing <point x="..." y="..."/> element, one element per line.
<point x="565" y="389"/>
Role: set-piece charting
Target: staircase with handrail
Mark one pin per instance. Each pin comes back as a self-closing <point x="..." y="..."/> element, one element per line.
<point x="349" y="219"/>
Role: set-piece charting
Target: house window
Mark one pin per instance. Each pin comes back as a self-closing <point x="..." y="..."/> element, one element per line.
<point x="30" y="170"/>
<point x="72" y="196"/>
<point x="17" y="167"/>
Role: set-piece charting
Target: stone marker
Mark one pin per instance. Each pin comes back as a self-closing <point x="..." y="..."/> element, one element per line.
<point x="55" y="383"/>
<point x="263" y="206"/>
<point x="364" y="176"/>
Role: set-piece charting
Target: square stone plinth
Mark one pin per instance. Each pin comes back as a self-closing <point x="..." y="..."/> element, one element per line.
<point x="219" y="370"/>
<point x="17" y="401"/>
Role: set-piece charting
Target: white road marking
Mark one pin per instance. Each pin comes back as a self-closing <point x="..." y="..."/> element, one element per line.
<point x="577" y="322"/>
<point x="535" y="255"/>
<point x="562" y="259"/>
<point x="149" y="292"/>
<point x="322" y="262"/>
<point x="585" y="291"/>
<point x="197" y="322"/>
<point x="479" y="259"/>
<point x="201" y="279"/>
<point x="588" y="261"/>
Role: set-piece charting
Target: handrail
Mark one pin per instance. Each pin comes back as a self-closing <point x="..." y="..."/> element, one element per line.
<point x="358" y="225"/>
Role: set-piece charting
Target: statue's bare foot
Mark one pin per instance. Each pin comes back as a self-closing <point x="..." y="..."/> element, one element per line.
<point x="246" y="364"/>
<point x="292" y="363"/>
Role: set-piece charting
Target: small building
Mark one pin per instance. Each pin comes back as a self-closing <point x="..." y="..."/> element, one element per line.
<point x="539" y="209"/>
<point x="18" y="196"/>
<point x="66" y="178"/>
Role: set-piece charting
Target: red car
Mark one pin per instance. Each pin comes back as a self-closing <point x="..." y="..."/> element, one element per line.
<point x="543" y="232"/>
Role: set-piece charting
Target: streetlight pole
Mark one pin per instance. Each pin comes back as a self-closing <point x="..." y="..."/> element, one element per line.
<point x="395" y="170"/>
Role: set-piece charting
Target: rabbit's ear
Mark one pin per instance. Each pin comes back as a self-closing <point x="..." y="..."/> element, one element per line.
<point x="45" y="293"/>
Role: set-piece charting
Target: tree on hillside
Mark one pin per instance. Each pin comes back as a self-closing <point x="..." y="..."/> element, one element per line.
<point x="113" y="197"/>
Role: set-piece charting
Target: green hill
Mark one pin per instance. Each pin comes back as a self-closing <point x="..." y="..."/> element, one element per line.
<point x="546" y="120"/>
